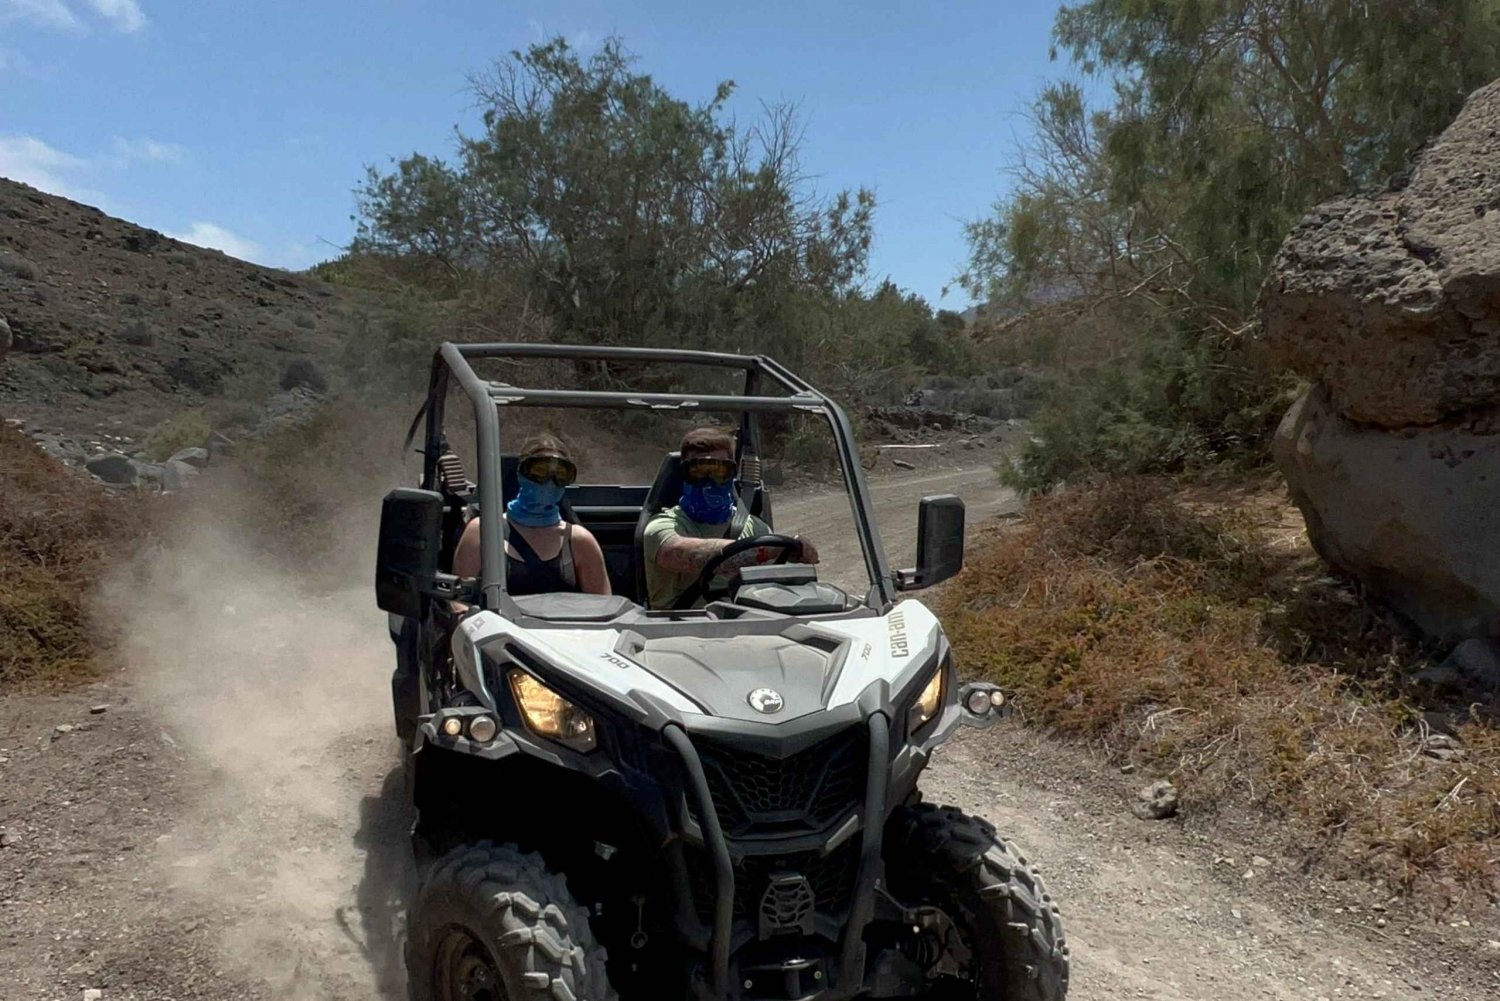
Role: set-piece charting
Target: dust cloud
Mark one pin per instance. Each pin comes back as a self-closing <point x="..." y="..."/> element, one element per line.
<point x="271" y="681"/>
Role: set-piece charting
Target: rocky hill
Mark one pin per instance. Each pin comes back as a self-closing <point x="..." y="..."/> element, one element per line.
<point x="114" y="328"/>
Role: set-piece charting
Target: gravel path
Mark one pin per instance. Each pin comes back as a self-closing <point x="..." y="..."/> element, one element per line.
<point x="231" y="824"/>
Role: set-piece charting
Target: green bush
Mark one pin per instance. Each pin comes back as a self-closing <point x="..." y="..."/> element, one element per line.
<point x="1181" y="404"/>
<point x="189" y="430"/>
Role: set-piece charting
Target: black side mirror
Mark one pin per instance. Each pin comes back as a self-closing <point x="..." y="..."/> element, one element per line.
<point x="411" y="539"/>
<point x="940" y="543"/>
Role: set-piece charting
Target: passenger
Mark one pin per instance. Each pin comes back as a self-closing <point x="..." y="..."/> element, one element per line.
<point x="544" y="553"/>
<point x="681" y="540"/>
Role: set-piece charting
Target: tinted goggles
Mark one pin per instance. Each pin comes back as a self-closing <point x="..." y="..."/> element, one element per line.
<point x="541" y="468"/>
<point x="715" y="471"/>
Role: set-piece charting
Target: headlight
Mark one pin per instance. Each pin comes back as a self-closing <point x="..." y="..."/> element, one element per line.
<point x="549" y="715"/>
<point x="930" y="702"/>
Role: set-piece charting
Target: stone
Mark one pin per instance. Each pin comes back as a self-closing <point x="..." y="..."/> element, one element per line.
<point x="1412" y="515"/>
<point x="5" y="338"/>
<point x="93" y="994"/>
<point x="9" y="839"/>
<point x="1389" y="300"/>
<point x="1158" y="801"/>
<point x="1477" y="661"/>
<point x="65" y="728"/>
<point x="112" y="467"/>
<point x="99" y="710"/>
<point x="177" y="475"/>
<point x="148" y="472"/>
<point x="902" y="464"/>
<point x="192" y="456"/>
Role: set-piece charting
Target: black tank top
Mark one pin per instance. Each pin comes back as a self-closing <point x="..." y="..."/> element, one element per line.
<point x="530" y="574"/>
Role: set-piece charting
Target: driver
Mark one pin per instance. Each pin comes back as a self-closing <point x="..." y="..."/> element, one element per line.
<point x="681" y="540"/>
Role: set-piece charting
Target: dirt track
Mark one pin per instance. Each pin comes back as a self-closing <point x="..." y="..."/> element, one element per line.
<point x="231" y="826"/>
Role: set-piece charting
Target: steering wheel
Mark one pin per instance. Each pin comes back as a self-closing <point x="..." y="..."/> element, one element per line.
<point x="704" y="586"/>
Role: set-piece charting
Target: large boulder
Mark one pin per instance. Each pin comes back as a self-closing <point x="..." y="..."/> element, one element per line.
<point x="1390" y="305"/>
<point x="1392" y="301"/>
<point x="1414" y="515"/>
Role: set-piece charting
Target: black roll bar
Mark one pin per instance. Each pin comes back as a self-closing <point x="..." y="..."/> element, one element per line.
<point x="761" y="373"/>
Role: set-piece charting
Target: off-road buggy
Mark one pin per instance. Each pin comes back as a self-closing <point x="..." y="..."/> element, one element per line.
<point x="714" y="802"/>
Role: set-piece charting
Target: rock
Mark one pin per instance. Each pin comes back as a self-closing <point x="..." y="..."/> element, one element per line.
<point x="65" y="728"/>
<point x="9" y="839"/>
<point x="1158" y="801"/>
<point x="149" y="472"/>
<point x="1411" y="515"/>
<point x="1477" y="661"/>
<point x="902" y="464"/>
<point x="99" y="710"/>
<point x="1442" y="747"/>
<point x="1390" y="300"/>
<point x="112" y="467"/>
<point x="5" y="338"/>
<point x="192" y="456"/>
<point x="93" y="994"/>
<point x="177" y="475"/>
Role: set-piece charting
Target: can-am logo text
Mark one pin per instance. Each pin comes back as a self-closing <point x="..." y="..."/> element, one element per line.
<point x="766" y="700"/>
<point x="899" y="646"/>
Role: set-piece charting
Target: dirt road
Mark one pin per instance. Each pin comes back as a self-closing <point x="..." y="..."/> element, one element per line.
<point x="229" y="824"/>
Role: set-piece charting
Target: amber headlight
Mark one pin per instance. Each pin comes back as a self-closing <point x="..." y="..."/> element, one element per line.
<point x="549" y="715"/>
<point x="930" y="702"/>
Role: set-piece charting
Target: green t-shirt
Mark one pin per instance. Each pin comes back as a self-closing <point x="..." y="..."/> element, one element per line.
<point x="663" y="585"/>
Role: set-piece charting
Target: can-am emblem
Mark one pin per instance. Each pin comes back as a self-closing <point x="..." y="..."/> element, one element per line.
<point x="766" y="700"/>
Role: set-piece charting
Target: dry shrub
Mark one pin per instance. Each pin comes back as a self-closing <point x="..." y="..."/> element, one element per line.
<point x="58" y="534"/>
<point x="1188" y="638"/>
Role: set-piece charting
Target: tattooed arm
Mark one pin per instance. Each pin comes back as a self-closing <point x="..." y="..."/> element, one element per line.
<point x="681" y="554"/>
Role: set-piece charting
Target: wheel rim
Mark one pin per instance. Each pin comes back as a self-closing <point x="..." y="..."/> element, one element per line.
<point x="465" y="970"/>
<point x="952" y="973"/>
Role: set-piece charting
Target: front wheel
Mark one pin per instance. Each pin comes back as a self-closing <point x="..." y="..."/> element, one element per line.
<point x="991" y="928"/>
<point x="493" y="924"/>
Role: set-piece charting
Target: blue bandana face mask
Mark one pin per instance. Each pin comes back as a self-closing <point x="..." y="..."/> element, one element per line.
<point x="535" y="505"/>
<point x="708" y="503"/>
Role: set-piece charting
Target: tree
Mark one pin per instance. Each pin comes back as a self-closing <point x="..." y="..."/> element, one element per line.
<point x="633" y="216"/>
<point x="1228" y="120"/>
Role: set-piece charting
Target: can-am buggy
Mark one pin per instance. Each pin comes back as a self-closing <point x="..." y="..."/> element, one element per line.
<point x="715" y="802"/>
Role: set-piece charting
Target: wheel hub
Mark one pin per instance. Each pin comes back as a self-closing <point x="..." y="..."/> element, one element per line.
<point x="466" y="971"/>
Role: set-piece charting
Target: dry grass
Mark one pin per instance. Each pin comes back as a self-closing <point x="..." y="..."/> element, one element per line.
<point x="1197" y="636"/>
<point x="58" y="533"/>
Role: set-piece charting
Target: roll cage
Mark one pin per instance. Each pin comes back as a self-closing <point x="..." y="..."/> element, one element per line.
<point x="488" y="397"/>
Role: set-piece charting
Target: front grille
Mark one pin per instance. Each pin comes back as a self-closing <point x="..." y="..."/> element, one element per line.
<point x="831" y="878"/>
<point x="756" y="795"/>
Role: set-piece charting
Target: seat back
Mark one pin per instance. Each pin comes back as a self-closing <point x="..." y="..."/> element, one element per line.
<point x="665" y="492"/>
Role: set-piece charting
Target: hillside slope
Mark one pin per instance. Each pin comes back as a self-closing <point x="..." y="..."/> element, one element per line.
<point x="119" y="327"/>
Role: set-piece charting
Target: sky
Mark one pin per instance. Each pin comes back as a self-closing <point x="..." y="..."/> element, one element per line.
<point x="247" y="125"/>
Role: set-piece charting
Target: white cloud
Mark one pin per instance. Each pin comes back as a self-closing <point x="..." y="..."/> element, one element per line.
<point x="146" y="151"/>
<point x="49" y="13"/>
<point x="125" y="15"/>
<point x="29" y="160"/>
<point x="208" y="234"/>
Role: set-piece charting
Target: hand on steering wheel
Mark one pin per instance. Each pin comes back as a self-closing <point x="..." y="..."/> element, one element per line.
<point x="704" y="587"/>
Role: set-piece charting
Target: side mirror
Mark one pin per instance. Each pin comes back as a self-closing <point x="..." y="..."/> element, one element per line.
<point x="940" y="543"/>
<point x="411" y="538"/>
